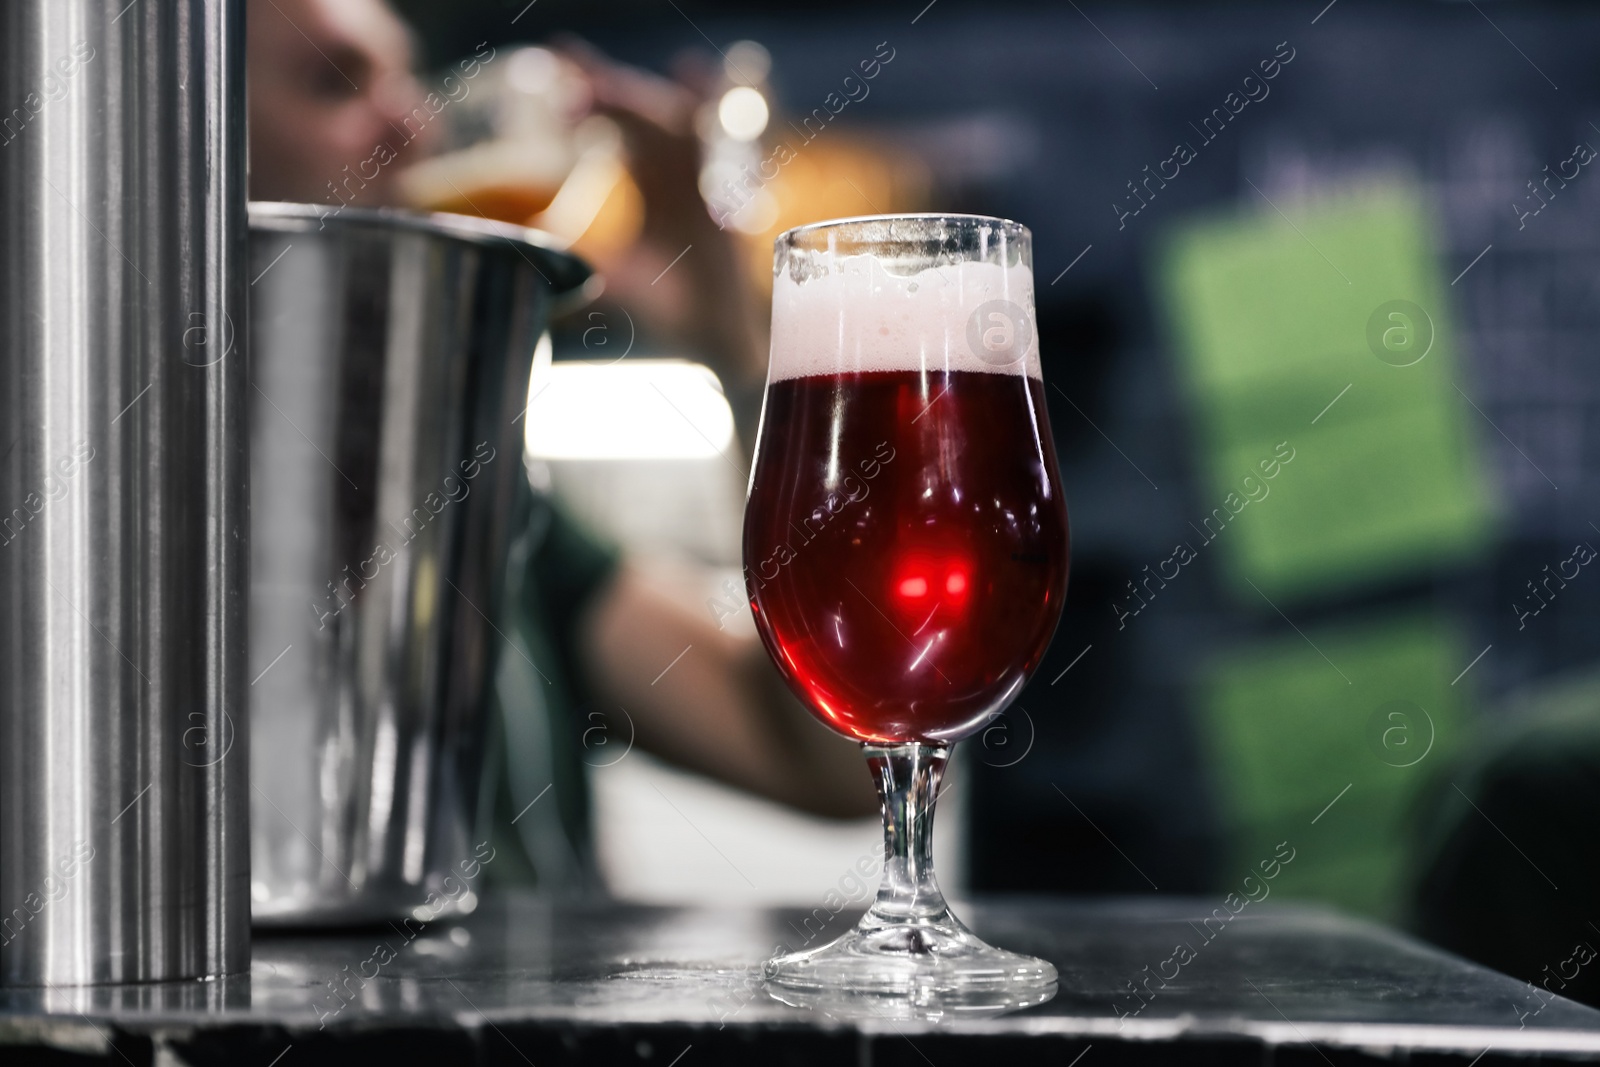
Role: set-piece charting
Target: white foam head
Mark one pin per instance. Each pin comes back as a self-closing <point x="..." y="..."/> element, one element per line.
<point x="856" y="315"/>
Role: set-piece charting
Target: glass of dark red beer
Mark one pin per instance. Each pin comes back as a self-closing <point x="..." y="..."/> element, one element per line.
<point x="906" y="543"/>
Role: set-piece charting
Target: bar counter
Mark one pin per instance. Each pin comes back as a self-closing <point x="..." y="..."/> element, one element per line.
<point x="527" y="980"/>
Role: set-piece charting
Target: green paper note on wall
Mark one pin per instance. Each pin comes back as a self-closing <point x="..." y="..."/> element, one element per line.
<point x="1325" y="741"/>
<point x="1329" y="329"/>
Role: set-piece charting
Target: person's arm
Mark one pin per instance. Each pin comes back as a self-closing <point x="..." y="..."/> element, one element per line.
<point x="721" y="708"/>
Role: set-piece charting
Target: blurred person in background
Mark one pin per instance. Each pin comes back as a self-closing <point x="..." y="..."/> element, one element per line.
<point x="330" y="80"/>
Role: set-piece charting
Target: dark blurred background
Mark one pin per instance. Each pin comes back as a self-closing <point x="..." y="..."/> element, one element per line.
<point x="1382" y="260"/>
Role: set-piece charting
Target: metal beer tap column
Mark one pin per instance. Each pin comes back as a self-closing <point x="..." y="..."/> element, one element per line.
<point x="124" y="525"/>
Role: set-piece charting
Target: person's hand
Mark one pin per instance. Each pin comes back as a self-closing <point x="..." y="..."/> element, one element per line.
<point x="656" y="116"/>
<point x="704" y="300"/>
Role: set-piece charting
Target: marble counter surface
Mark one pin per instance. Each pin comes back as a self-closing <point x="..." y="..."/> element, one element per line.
<point x="527" y="980"/>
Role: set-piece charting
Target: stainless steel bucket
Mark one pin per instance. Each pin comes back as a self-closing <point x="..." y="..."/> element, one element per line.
<point x="123" y="523"/>
<point x="390" y="356"/>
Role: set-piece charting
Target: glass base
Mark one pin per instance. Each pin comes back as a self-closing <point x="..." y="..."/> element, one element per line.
<point x="909" y="956"/>
<point x="921" y="957"/>
<point x="911" y="1007"/>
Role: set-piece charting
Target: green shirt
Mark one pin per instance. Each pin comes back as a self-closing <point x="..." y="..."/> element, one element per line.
<point x="544" y="731"/>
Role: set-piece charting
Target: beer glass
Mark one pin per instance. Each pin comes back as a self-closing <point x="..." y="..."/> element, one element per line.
<point x="906" y="543"/>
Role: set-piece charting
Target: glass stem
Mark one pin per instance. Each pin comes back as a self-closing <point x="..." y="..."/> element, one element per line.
<point x="908" y="786"/>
